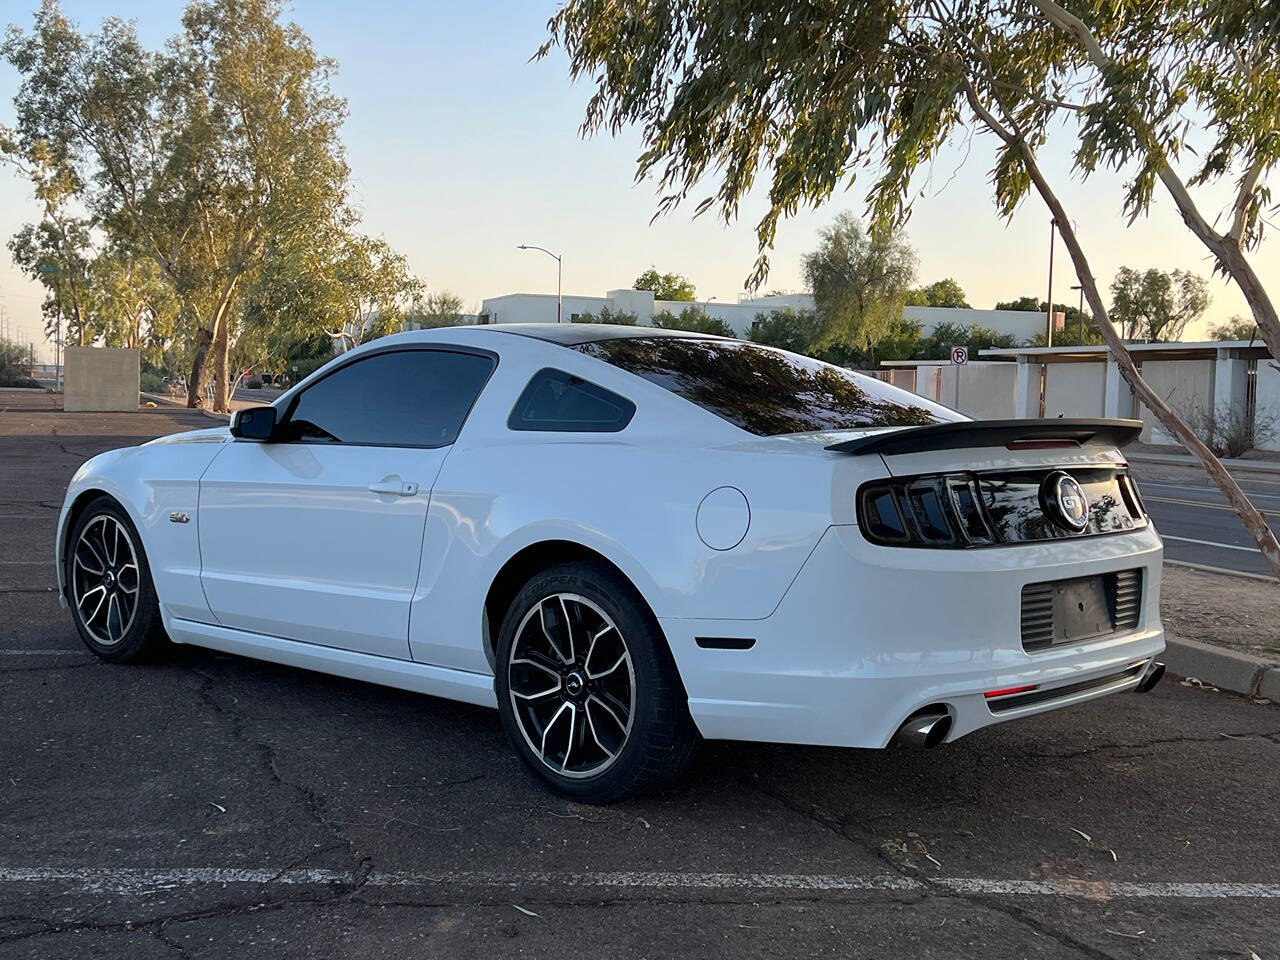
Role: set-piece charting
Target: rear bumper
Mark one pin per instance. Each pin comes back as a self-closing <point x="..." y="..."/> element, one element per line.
<point x="868" y="635"/>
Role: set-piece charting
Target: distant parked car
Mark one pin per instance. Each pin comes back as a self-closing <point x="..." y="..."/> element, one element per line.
<point x="625" y="538"/>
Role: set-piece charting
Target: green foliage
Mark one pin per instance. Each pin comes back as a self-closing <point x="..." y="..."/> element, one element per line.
<point x="1072" y="335"/>
<point x="1071" y="313"/>
<point x="859" y="280"/>
<point x="348" y="287"/>
<point x="1156" y="306"/>
<point x="14" y="362"/>
<point x="443" y="309"/>
<point x="940" y="293"/>
<point x="214" y="154"/>
<point x="1027" y="304"/>
<point x="790" y="329"/>
<point x="937" y="346"/>
<point x="1237" y="328"/>
<point x="624" y="318"/>
<point x="13" y="356"/>
<point x="666" y="286"/>
<point x="903" y="341"/>
<point x="693" y="319"/>
<point x="151" y="382"/>
<point x="754" y="94"/>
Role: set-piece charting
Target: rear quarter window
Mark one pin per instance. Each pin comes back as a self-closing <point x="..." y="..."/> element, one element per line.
<point x="561" y="402"/>
<point x="766" y="391"/>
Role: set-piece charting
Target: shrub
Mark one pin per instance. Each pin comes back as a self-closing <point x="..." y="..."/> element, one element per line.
<point x="794" y="330"/>
<point x="693" y="319"/>
<point x="1227" y="431"/>
<point x="623" y="318"/>
<point x="150" y="382"/>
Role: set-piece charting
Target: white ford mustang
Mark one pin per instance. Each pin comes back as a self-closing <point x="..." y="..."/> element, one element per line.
<point x="624" y="538"/>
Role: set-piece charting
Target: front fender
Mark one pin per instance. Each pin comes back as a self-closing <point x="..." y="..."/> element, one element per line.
<point x="151" y="482"/>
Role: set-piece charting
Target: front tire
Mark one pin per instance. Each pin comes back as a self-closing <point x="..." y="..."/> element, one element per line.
<point x="109" y="588"/>
<point x="586" y="687"/>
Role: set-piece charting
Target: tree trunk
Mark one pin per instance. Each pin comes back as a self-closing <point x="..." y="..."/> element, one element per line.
<point x="221" y="352"/>
<point x="203" y="340"/>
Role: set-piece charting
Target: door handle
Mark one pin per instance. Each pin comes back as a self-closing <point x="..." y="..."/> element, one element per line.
<point x="395" y="488"/>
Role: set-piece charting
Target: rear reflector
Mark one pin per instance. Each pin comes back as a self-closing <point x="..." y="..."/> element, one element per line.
<point x="1006" y="691"/>
<point x="1040" y="444"/>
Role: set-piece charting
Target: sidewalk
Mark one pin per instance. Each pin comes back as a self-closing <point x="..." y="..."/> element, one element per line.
<point x="1222" y="630"/>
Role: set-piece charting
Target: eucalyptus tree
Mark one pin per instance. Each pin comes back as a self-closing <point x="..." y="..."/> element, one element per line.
<point x="666" y="286"/>
<point x="202" y="150"/>
<point x="57" y="249"/>
<point x="334" y="283"/>
<point x="1156" y="306"/>
<point x="860" y="281"/>
<point x="811" y="98"/>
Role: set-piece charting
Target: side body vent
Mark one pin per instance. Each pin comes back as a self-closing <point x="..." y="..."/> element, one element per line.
<point x="1037" y="615"/>
<point x="1126" y="599"/>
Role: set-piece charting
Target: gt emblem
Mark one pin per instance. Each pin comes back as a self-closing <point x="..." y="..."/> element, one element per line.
<point x="1063" y="501"/>
<point x="179" y="518"/>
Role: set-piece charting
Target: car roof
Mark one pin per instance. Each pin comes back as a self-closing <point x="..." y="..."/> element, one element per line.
<point x="576" y="334"/>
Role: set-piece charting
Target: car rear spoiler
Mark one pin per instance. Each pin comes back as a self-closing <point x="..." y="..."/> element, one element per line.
<point x="993" y="433"/>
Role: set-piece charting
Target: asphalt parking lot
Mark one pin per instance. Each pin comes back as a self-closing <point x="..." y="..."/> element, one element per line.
<point x="209" y="806"/>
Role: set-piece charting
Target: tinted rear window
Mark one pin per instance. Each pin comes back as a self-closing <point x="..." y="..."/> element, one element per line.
<point x="767" y="391"/>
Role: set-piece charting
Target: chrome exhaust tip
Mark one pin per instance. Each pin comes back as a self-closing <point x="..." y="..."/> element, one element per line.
<point x="925" y="730"/>
<point x="1154" y="674"/>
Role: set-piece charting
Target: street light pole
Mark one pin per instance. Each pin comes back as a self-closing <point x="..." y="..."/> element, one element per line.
<point x="559" y="275"/>
<point x="1080" y="309"/>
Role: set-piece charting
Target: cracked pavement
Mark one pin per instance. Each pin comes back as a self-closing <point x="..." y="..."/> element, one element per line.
<point x="322" y="789"/>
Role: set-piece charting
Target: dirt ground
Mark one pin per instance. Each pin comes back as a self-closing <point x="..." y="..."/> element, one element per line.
<point x="1235" y="612"/>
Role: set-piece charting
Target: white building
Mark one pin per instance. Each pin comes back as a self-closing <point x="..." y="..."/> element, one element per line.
<point x="541" y="308"/>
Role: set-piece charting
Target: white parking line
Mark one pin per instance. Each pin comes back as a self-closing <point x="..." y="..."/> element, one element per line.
<point x="43" y="653"/>
<point x="140" y="881"/>
<point x="1209" y="543"/>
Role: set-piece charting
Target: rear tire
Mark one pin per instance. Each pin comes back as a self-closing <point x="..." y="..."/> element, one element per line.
<point x="109" y="588"/>
<point x="587" y="690"/>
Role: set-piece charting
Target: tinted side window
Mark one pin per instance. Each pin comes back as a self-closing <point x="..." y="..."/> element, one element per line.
<point x="410" y="398"/>
<point x="555" y="400"/>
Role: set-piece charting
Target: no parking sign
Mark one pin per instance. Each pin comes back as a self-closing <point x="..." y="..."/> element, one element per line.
<point x="959" y="354"/>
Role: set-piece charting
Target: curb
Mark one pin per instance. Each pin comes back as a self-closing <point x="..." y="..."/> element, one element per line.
<point x="1186" y="460"/>
<point x="1225" y="669"/>
<point x="1225" y="571"/>
<point x="159" y="398"/>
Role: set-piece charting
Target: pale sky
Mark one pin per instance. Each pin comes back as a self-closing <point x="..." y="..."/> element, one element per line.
<point x="461" y="149"/>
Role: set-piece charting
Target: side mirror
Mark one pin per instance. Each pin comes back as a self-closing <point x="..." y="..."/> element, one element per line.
<point x="254" y="423"/>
